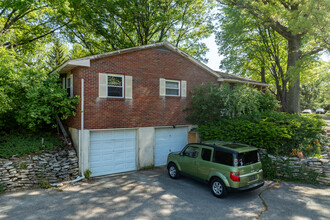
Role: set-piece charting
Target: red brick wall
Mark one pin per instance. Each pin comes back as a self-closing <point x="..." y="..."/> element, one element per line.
<point x="147" y="108"/>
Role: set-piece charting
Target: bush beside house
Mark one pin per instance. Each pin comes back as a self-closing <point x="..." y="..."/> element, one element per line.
<point x="248" y="116"/>
<point x="279" y="133"/>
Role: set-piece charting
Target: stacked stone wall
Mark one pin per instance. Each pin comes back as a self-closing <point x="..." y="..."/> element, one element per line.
<point x="33" y="170"/>
<point x="295" y="168"/>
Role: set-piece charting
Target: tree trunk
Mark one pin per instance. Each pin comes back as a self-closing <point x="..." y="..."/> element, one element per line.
<point x="263" y="74"/>
<point x="294" y="74"/>
<point x="263" y="78"/>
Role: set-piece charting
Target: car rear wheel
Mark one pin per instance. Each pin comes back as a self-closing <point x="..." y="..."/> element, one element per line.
<point x="218" y="188"/>
<point x="173" y="171"/>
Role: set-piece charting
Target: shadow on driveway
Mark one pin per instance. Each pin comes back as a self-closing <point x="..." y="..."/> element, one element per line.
<point x="152" y="194"/>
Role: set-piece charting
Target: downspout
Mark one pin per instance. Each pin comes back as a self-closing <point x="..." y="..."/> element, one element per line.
<point x="82" y="129"/>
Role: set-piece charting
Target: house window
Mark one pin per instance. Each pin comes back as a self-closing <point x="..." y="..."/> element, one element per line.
<point x="68" y="86"/>
<point x="172" y="88"/>
<point x="115" y="86"/>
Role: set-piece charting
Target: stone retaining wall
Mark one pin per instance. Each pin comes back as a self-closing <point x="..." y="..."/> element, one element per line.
<point x="32" y="170"/>
<point x="293" y="167"/>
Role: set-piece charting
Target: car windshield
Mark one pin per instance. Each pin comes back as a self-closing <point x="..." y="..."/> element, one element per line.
<point x="247" y="158"/>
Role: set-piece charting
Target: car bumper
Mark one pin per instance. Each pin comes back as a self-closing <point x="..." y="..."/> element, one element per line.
<point x="250" y="187"/>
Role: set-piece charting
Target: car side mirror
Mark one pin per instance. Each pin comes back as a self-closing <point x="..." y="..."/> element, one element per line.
<point x="181" y="154"/>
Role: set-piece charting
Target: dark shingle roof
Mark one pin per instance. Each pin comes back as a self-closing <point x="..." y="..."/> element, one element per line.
<point x="233" y="78"/>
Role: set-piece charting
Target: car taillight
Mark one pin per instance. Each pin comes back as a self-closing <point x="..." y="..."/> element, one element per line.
<point x="235" y="176"/>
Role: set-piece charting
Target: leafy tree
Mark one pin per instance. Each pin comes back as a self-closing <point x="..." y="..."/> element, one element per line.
<point x="23" y="23"/>
<point x="303" y="24"/>
<point x="252" y="50"/>
<point x="110" y="25"/>
<point x="29" y="96"/>
<point x="315" y="87"/>
<point x="57" y="55"/>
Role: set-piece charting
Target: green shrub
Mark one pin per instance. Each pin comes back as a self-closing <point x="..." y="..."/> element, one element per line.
<point x="269" y="168"/>
<point x="29" y="96"/>
<point x="87" y="173"/>
<point x="22" y="143"/>
<point x="44" y="183"/>
<point x="212" y="103"/>
<point x="279" y="133"/>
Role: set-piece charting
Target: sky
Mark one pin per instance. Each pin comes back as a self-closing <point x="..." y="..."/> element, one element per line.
<point x="212" y="55"/>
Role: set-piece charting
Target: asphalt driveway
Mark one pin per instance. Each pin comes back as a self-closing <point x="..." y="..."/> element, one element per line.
<point x="152" y="194"/>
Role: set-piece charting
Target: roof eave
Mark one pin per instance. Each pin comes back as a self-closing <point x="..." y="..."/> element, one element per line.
<point x="241" y="81"/>
<point x="71" y="64"/>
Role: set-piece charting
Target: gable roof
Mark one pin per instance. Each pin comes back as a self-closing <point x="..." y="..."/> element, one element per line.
<point x="85" y="61"/>
<point x="221" y="76"/>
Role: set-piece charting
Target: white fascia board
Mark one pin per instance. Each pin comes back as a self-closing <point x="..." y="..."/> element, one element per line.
<point x="85" y="62"/>
<point x="69" y="65"/>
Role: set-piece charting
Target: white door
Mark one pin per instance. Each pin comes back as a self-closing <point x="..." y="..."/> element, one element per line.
<point x="169" y="140"/>
<point x="112" y="152"/>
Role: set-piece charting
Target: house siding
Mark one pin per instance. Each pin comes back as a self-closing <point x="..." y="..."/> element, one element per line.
<point x="147" y="108"/>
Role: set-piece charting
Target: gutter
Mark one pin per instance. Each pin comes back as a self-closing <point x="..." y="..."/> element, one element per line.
<point x="245" y="82"/>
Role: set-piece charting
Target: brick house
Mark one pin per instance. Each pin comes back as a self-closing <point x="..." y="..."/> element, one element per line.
<point x="132" y="100"/>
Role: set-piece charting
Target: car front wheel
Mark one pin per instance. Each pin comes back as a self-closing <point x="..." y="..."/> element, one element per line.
<point x="173" y="171"/>
<point x="218" y="188"/>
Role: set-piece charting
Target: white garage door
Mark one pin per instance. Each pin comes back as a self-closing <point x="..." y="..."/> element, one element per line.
<point x="112" y="152"/>
<point x="169" y="140"/>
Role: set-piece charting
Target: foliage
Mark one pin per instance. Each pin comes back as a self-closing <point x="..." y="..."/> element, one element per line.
<point x="302" y="24"/>
<point x="211" y="103"/>
<point x="2" y="188"/>
<point x="22" y="166"/>
<point x="268" y="167"/>
<point x="22" y="142"/>
<point x="102" y="26"/>
<point x="88" y="173"/>
<point x="23" y="23"/>
<point x="251" y="50"/>
<point x="43" y="101"/>
<point x="279" y="133"/>
<point x="150" y="167"/>
<point x="43" y="182"/>
<point x="282" y="170"/>
<point x="57" y="55"/>
<point x="315" y="88"/>
<point x="30" y="97"/>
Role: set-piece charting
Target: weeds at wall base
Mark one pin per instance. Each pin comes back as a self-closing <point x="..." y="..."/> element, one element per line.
<point x="283" y="171"/>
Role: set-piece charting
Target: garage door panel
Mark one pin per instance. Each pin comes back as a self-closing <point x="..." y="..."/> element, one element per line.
<point x="112" y="152"/>
<point x="169" y="140"/>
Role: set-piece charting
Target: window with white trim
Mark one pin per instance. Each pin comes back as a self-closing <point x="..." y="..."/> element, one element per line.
<point x="172" y="88"/>
<point x="115" y="86"/>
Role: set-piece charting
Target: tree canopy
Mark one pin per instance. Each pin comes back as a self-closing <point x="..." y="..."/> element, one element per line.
<point x="304" y="25"/>
<point x="101" y="25"/>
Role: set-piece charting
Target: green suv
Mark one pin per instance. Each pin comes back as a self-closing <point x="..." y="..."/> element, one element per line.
<point x="226" y="166"/>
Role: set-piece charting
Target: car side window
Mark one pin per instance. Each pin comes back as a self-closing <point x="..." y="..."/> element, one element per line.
<point x="191" y="151"/>
<point x="223" y="158"/>
<point x="206" y="154"/>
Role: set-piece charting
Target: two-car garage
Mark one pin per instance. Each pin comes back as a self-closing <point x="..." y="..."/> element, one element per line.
<point x="115" y="151"/>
